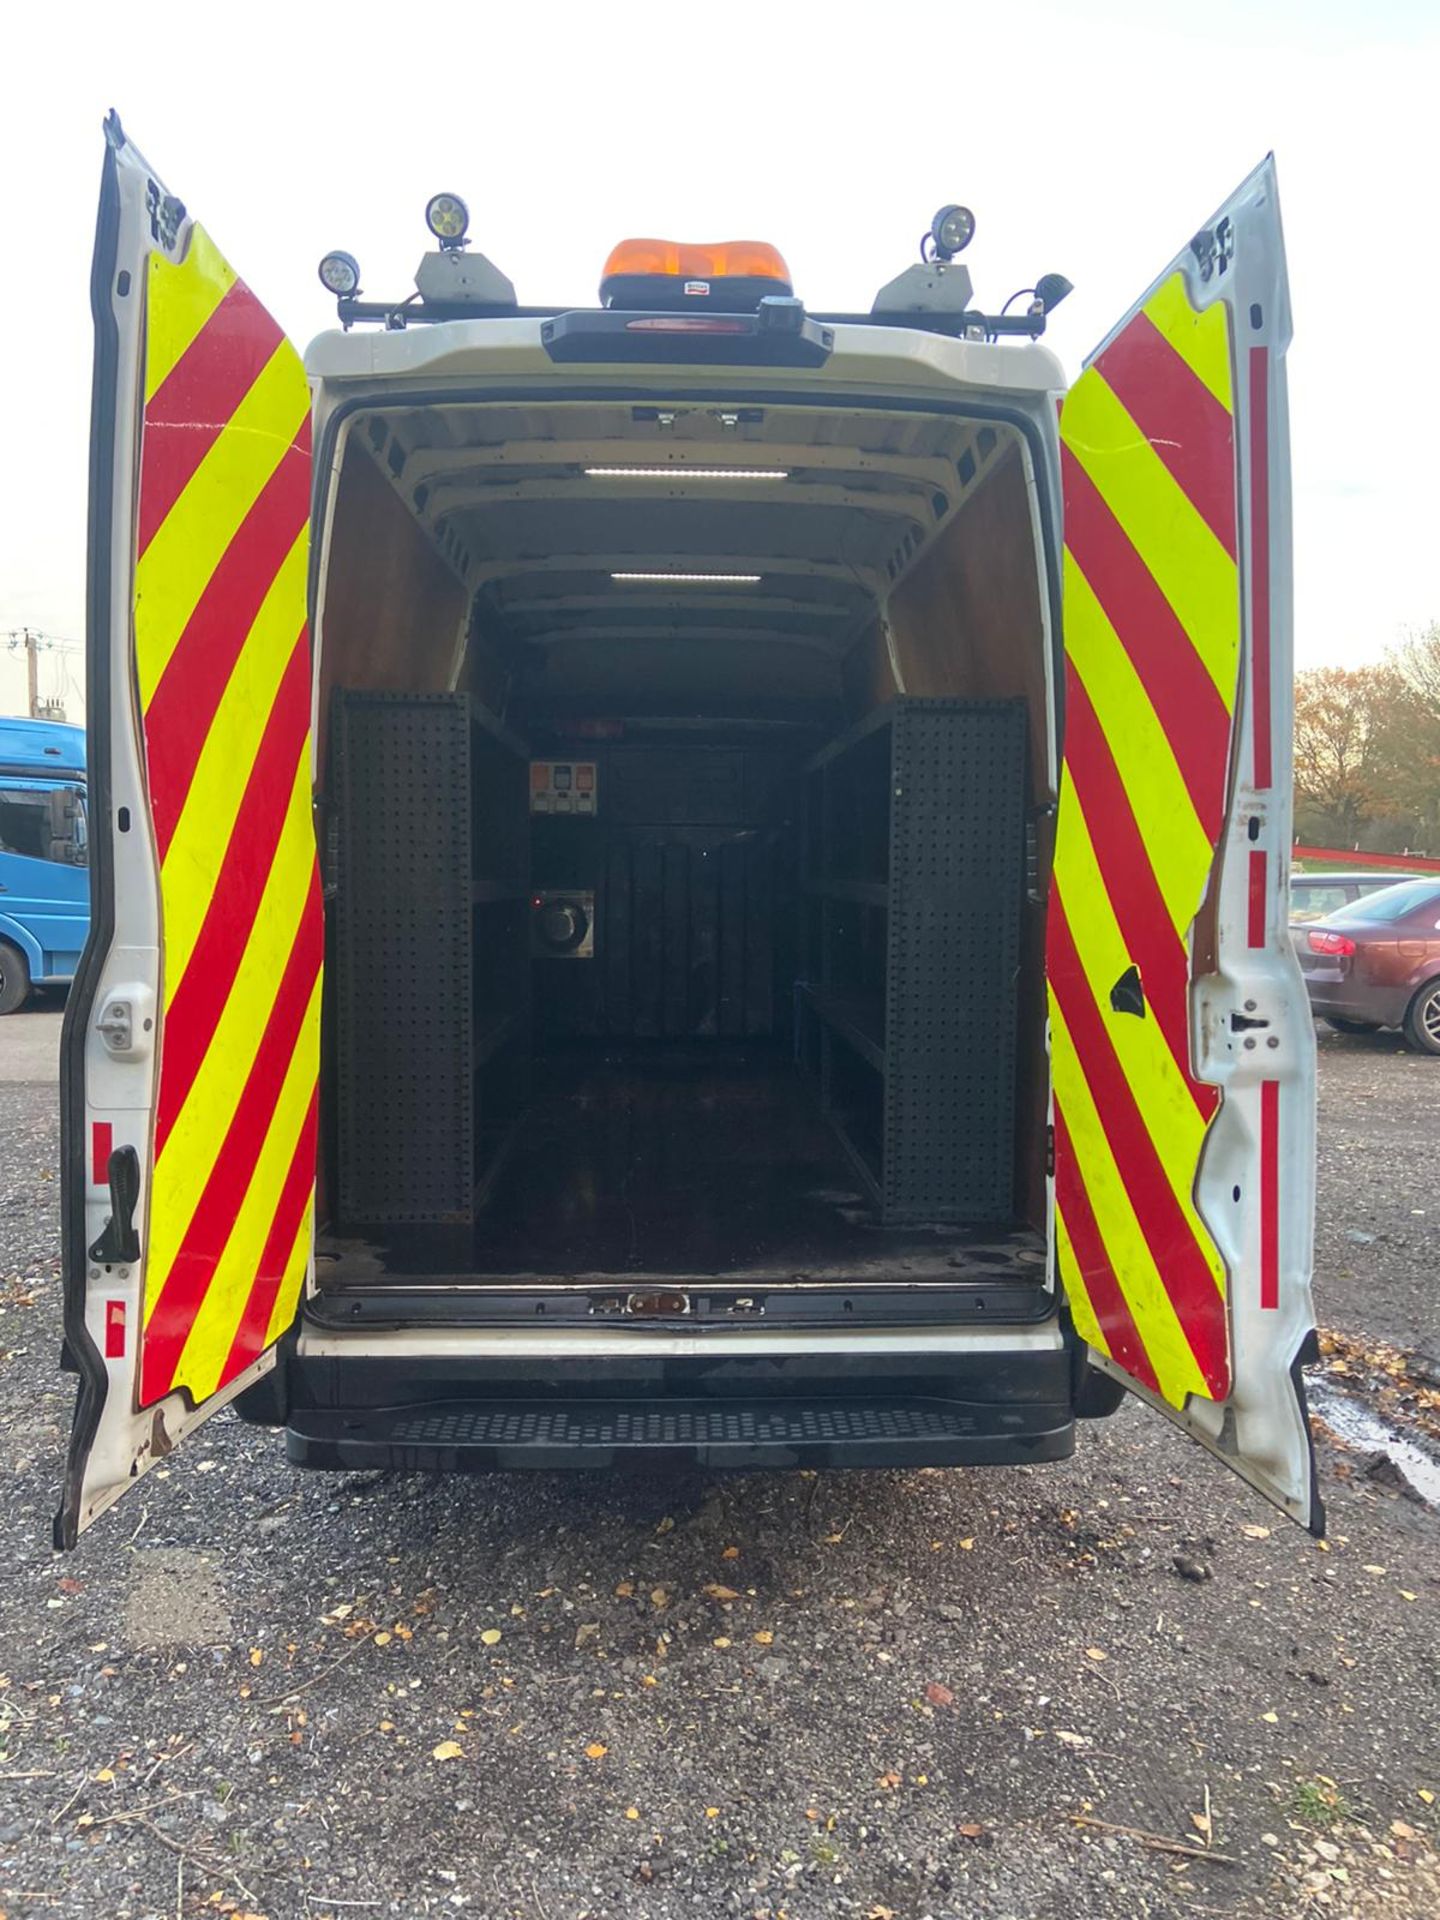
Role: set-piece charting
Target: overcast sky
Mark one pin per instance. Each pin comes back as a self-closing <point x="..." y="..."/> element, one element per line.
<point x="1090" y="140"/>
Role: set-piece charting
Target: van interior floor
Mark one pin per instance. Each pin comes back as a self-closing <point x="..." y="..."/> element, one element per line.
<point x="705" y="1161"/>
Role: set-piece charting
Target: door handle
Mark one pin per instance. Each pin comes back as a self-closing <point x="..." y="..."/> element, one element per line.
<point x="119" y="1244"/>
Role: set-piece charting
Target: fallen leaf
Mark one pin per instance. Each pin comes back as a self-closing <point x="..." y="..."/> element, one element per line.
<point x="632" y="1813"/>
<point x="1402" y="1830"/>
<point x="649" y="1680"/>
<point x="764" y="1637"/>
<point x="731" y="1553"/>
<point x="1096" y="1653"/>
<point x="971" y="1830"/>
<point x="625" y="1589"/>
<point x="491" y="1637"/>
<point x="1370" y="1567"/>
<point x="1071" y="1739"/>
<point x="257" y="1654"/>
<point x="448" y="1750"/>
<point x="383" y="1639"/>
<point x="1426" y="1795"/>
<point x="717" y="1592"/>
<point x="107" y="1774"/>
<point x="667" y="1525"/>
<point x="596" y="1750"/>
<point x="939" y="1696"/>
<point x="712" y="1813"/>
<point x="968" y="1546"/>
<point x="659" y="1598"/>
<point x="1201" y="1824"/>
<point x="589" y="1631"/>
<point x="1256" y="1533"/>
<point x="1405" y="1594"/>
<point x="1272" y="1718"/>
<point x="889" y="1781"/>
<point x="722" y="1641"/>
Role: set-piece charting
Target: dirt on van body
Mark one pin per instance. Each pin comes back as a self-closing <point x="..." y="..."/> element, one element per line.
<point x="1120" y="1686"/>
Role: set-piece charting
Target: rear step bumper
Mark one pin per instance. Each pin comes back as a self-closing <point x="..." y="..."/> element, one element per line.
<point x="460" y="1436"/>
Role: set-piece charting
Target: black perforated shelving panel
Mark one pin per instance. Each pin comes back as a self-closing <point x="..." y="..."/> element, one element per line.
<point x="407" y="772"/>
<point x="917" y="849"/>
<point x="956" y="881"/>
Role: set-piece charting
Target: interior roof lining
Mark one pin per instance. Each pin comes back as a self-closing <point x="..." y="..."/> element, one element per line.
<point x="879" y="484"/>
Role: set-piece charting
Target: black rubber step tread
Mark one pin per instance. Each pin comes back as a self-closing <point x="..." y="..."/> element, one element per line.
<point x="465" y="1435"/>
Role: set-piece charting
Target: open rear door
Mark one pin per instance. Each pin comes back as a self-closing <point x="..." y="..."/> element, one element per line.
<point x="1183" y="1052"/>
<point x="191" y="1045"/>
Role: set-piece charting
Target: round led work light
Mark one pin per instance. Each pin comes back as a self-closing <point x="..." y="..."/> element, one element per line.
<point x="448" y="218"/>
<point x="340" y="274"/>
<point x="952" y="230"/>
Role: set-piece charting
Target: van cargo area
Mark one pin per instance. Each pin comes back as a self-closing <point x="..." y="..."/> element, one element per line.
<point x="686" y="777"/>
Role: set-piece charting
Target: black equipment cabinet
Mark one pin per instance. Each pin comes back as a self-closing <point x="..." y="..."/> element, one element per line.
<point x="914" y="870"/>
<point x="430" y="876"/>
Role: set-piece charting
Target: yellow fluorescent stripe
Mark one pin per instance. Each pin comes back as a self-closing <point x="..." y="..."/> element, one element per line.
<point x="182" y="299"/>
<point x="207" y="820"/>
<point x="296" y="1267"/>
<point x="190" y="542"/>
<point x="1167" y="1108"/>
<point x="1179" y="849"/>
<point x="1202" y="339"/>
<point x="1130" y="1256"/>
<point x="217" y="1316"/>
<point x="1081" y="1311"/>
<point x="1189" y="565"/>
<point x="195" y="1140"/>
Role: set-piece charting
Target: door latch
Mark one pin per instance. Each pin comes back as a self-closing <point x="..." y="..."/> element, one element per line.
<point x="126" y="1022"/>
<point x="116" y="1025"/>
<point x="119" y="1243"/>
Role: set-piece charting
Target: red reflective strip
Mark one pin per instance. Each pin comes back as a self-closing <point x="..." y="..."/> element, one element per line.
<point x="1190" y="430"/>
<point x="1097" y="1274"/>
<point x="249" y="1341"/>
<point x="1129" y="879"/>
<point x="1353" y="856"/>
<point x="114" y="1329"/>
<point x="1192" y="715"/>
<point x="184" y="704"/>
<point x="200" y="998"/>
<point x="219" y="1205"/>
<point x="1269" y="1193"/>
<point x="197" y="401"/>
<point x="1261" y="720"/>
<point x="1259" y="897"/>
<point x="102" y="1145"/>
<point x="1179" y="1260"/>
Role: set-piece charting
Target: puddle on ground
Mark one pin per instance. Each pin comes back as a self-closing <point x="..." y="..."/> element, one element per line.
<point x="1360" y="1427"/>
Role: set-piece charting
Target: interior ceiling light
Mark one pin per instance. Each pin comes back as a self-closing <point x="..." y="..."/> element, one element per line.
<point x="705" y="579"/>
<point x="687" y="473"/>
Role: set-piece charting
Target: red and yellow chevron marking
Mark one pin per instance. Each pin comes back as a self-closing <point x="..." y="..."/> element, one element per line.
<point x="1152" y="617"/>
<point x="223" y="662"/>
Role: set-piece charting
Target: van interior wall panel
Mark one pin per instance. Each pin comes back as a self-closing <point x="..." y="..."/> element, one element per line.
<point x="968" y="620"/>
<point x="394" y="612"/>
<point x="913" y="951"/>
<point x="430" y="958"/>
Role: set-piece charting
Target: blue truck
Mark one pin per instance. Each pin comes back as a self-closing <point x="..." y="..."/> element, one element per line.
<point x="44" y="857"/>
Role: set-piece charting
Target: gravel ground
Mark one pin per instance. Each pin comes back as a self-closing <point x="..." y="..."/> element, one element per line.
<point x="884" y="1696"/>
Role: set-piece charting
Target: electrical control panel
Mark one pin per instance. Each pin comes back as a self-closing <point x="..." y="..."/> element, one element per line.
<point x="563" y="786"/>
